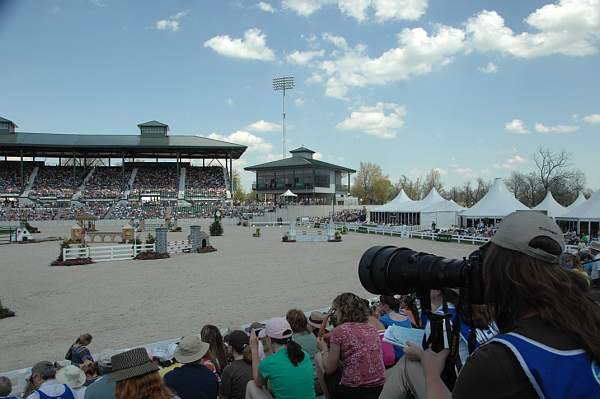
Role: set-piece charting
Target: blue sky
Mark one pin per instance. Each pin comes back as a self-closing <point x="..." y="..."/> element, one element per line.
<point x="470" y="87"/>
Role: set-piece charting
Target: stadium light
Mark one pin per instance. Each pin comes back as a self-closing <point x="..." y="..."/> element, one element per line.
<point x="282" y="84"/>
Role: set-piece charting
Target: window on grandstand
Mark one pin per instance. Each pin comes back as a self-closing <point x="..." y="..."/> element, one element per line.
<point x="303" y="179"/>
<point x="322" y="178"/>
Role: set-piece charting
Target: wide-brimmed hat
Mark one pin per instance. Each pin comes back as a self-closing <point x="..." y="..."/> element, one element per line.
<point x="278" y="328"/>
<point x="71" y="375"/>
<point x="595" y="246"/>
<point x="316" y="318"/>
<point x="191" y="349"/>
<point x="132" y="363"/>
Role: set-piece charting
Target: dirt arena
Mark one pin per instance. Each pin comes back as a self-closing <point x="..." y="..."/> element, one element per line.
<point x="126" y="303"/>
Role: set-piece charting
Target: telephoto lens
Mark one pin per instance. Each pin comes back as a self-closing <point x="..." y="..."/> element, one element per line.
<point x="389" y="270"/>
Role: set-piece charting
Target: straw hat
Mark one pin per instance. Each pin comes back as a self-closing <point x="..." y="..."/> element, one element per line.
<point x="316" y="319"/>
<point x="132" y="363"/>
<point x="71" y="375"/>
<point x="191" y="349"/>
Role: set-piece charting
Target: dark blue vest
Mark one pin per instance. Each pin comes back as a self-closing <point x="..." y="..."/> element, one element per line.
<point x="552" y="372"/>
<point x="67" y="394"/>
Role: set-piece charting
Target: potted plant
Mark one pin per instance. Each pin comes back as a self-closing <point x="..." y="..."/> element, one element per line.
<point x="256" y="233"/>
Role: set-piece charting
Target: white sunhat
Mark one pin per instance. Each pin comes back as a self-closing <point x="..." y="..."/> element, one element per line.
<point x="71" y="375"/>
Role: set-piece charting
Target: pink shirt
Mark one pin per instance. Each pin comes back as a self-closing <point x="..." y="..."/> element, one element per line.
<point x="360" y="353"/>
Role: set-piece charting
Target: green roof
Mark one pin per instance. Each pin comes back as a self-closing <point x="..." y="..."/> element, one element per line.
<point x="5" y="120"/>
<point x="302" y="149"/>
<point x="153" y="123"/>
<point x="296" y="162"/>
<point x="52" y="144"/>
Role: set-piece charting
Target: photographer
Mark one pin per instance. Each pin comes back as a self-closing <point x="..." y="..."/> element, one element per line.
<point x="544" y="349"/>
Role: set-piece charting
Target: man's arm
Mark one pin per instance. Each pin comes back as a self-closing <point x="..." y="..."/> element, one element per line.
<point x="258" y="379"/>
<point x="433" y="365"/>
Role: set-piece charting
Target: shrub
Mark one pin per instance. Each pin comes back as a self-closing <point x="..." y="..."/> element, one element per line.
<point x="150" y="255"/>
<point x="284" y="238"/>
<point x="216" y="229"/>
<point x="150" y="239"/>
<point x="72" y="262"/>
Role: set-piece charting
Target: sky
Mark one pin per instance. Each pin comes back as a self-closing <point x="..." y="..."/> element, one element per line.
<point x="472" y="88"/>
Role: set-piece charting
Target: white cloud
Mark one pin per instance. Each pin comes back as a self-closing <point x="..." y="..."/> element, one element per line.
<point x="264" y="126"/>
<point x="410" y="10"/>
<point x="442" y="172"/>
<point x="303" y="57"/>
<point x="593" y="118"/>
<point x="252" y="47"/>
<point x="230" y="102"/>
<point x="298" y="102"/>
<point x="417" y="54"/>
<point x="314" y="78"/>
<point x="172" y="23"/>
<point x="384" y="10"/>
<point x="568" y="27"/>
<point x="243" y="137"/>
<point x="511" y="163"/>
<point x="490" y="68"/>
<point x="304" y="7"/>
<point x="560" y="129"/>
<point x="374" y="121"/>
<point x="516" y="126"/>
<point x="317" y="155"/>
<point x="98" y="3"/>
<point x="337" y="41"/>
<point x="266" y="7"/>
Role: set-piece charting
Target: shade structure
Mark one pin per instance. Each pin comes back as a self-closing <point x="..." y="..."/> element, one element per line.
<point x="589" y="210"/>
<point x="496" y="204"/>
<point x="550" y="206"/>
<point x="395" y="204"/>
<point x="288" y="193"/>
<point x="580" y="200"/>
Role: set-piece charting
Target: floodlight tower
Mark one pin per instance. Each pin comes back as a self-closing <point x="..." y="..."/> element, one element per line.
<point x="283" y="84"/>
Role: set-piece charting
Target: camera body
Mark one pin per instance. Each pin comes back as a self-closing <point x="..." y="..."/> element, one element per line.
<point x="389" y="270"/>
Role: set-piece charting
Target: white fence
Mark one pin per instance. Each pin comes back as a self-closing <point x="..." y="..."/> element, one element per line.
<point x="177" y="247"/>
<point x="107" y="253"/>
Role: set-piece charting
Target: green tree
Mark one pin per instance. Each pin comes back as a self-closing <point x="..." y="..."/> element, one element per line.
<point x="239" y="196"/>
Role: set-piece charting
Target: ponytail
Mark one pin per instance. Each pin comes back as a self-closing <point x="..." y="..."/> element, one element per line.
<point x="294" y="352"/>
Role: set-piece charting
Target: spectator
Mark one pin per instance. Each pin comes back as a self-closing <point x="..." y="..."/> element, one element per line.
<point x="355" y="344"/>
<point x="103" y="387"/>
<point x="192" y="379"/>
<point x="288" y="370"/>
<point x="302" y="335"/>
<point x="238" y="373"/>
<point x="6" y="388"/>
<point x="315" y="321"/>
<point x="137" y="377"/>
<point x="409" y="307"/>
<point x="74" y="377"/>
<point x="387" y="350"/>
<point x="78" y="352"/>
<point x="212" y="336"/>
<point x="44" y="385"/>
<point x="391" y="313"/>
<point x="92" y="373"/>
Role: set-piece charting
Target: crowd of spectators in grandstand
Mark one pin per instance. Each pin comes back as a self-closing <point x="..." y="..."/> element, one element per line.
<point x="106" y="183"/>
<point x="204" y="181"/>
<point x="58" y="181"/>
<point x="10" y="213"/>
<point x="160" y="178"/>
<point x="10" y="176"/>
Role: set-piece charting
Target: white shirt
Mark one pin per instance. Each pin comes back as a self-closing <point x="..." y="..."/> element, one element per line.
<point x="51" y="388"/>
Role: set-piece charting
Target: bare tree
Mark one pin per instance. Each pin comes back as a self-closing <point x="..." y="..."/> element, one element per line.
<point x="553" y="167"/>
<point x="433" y="179"/>
<point x="370" y="184"/>
<point x="412" y="188"/>
<point x="483" y="186"/>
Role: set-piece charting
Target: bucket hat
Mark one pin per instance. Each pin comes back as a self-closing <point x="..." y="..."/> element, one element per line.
<point x="191" y="349"/>
<point x="315" y="319"/>
<point x="71" y="375"/>
<point x="132" y="363"/>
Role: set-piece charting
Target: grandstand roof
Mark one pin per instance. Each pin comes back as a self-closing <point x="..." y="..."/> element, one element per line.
<point x="296" y="162"/>
<point x="116" y="145"/>
<point x="302" y="149"/>
<point x="5" y="120"/>
<point x="152" y="123"/>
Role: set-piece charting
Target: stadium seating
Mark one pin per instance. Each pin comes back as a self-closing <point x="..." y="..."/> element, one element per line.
<point x="58" y="181"/>
<point x="156" y="179"/>
<point x="204" y="182"/>
<point x="106" y="183"/>
<point x="10" y="176"/>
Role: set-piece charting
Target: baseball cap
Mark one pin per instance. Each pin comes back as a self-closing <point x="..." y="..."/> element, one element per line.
<point x="278" y="328"/>
<point x="519" y="230"/>
<point x="237" y="339"/>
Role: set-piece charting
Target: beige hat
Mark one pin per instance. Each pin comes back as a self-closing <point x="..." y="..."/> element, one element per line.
<point x="71" y="375"/>
<point x="191" y="349"/>
<point x="316" y="319"/>
<point x="517" y="231"/>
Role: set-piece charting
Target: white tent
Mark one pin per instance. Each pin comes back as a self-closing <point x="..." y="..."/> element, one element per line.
<point x="580" y="200"/>
<point x="584" y="217"/>
<point x="550" y="206"/>
<point x="497" y="203"/>
<point x="404" y="211"/>
<point x="288" y="193"/>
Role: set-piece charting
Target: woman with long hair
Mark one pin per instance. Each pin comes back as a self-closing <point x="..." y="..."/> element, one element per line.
<point x="288" y="370"/>
<point x="137" y="377"/>
<point x="549" y="341"/>
<point x="355" y="344"/>
<point x="238" y="373"/>
<point x="78" y="353"/>
<point x="212" y="336"/>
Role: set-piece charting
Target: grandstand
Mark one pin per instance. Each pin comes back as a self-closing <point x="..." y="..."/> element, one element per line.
<point x="48" y="176"/>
